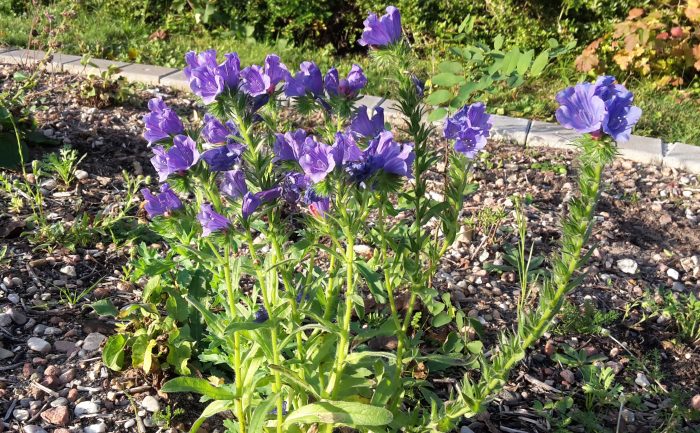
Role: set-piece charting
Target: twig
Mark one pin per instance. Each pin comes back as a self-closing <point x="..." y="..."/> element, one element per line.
<point x="9" y="410"/>
<point x="11" y="366"/>
<point x="49" y="391"/>
<point x="38" y="413"/>
<point x="540" y="384"/>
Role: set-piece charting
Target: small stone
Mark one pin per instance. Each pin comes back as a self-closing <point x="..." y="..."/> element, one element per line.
<point x="93" y="341"/>
<point x="33" y="429"/>
<point x="5" y="320"/>
<point x="4" y="353"/>
<point x="52" y="370"/>
<point x="64" y="346"/>
<point x="57" y="416"/>
<point x="642" y="380"/>
<point x="39" y="330"/>
<point x="695" y="402"/>
<point x="17" y="316"/>
<point x="72" y="394"/>
<point x="49" y="184"/>
<point x="677" y="286"/>
<point x="67" y="376"/>
<point x="14" y="298"/>
<point x="81" y="174"/>
<point x="628" y="266"/>
<point x="86" y="408"/>
<point x="68" y="270"/>
<point x="39" y="345"/>
<point x="627" y="415"/>
<point x="568" y="376"/>
<point x="672" y="273"/>
<point x="96" y="428"/>
<point x="465" y="429"/>
<point x="363" y="250"/>
<point x="150" y="403"/>
<point x="20" y="415"/>
<point x="130" y="423"/>
<point x="60" y="401"/>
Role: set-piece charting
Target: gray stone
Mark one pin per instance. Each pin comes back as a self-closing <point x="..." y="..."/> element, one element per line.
<point x="92" y="341"/>
<point x="683" y="156"/>
<point x="642" y="149"/>
<point x="677" y="286"/>
<point x="147" y="74"/>
<point x="129" y="423"/>
<point x="68" y="270"/>
<point x="31" y="57"/>
<point x="176" y="80"/>
<point x="371" y="101"/>
<point x="33" y="429"/>
<point x="544" y="134"/>
<point x="509" y="129"/>
<point x="20" y="415"/>
<point x="627" y="266"/>
<point x="150" y="403"/>
<point x="642" y="380"/>
<point x="94" y="67"/>
<point x="6" y="49"/>
<point x="60" y="401"/>
<point x="4" y="353"/>
<point x="86" y="408"/>
<point x="81" y="174"/>
<point x="5" y="320"/>
<point x="17" y="316"/>
<point x="64" y="346"/>
<point x="96" y="428"/>
<point x="39" y="345"/>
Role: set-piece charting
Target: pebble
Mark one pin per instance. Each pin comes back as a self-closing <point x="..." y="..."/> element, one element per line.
<point x="81" y="174"/>
<point x="465" y="429"/>
<point x="39" y="345"/>
<point x="33" y="429"/>
<point x="96" y="428"/>
<point x="4" y="353"/>
<point x="672" y="273"/>
<point x="68" y="270"/>
<point x="59" y="415"/>
<point x="677" y="286"/>
<point x="695" y="402"/>
<point x="5" y="320"/>
<point x="60" y="401"/>
<point x="20" y="415"/>
<point x="568" y="376"/>
<point x="17" y="316"/>
<point x="92" y="341"/>
<point x="13" y="297"/>
<point x="642" y="380"/>
<point x="628" y="266"/>
<point x="129" y="423"/>
<point x="627" y="415"/>
<point x="150" y="403"/>
<point x="64" y="346"/>
<point x="86" y="408"/>
<point x="39" y="330"/>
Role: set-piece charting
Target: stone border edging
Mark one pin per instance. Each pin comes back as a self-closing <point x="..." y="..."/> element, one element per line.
<point x="525" y="132"/>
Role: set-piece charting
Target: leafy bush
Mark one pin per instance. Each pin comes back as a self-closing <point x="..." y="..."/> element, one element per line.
<point x="663" y="42"/>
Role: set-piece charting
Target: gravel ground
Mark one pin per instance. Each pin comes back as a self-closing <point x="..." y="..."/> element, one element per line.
<point x="647" y="238"/>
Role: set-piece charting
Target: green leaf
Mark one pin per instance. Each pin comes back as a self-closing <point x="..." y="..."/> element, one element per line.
<point x="510" y="61"/>
<point x="248" y="326"/>
<point x="105" y="307"/>
<point x="260" y="414"/>
<point x="438" y="97"/>
<point x="441" y="319"/>
<point x="524" y="62"/>
<point x="148" y="355"/>
<point x="498" y="42"/>
<point x="113" y="353"/>
<point x="539" y="64"/>
<point x="437" y="114"/>
<point x="200" y="386"/>
<point x="451" y="67"/>
<point x="293" y="379"/>
<point x="340" y="412"/>
<point x="373" y="280"/>
<point x="152" y="289"/>
<point x="447" y="79"/>
<point x="216" y="406"/>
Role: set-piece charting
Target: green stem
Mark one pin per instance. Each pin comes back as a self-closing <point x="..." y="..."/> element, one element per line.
<point x="238" y="370"/>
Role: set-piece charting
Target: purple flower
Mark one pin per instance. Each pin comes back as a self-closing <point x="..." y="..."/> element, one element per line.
<point x="233" y="184"/>
<point x="620" y="116"/>
<point x="211" y="221"/>
<point x="470" y="127"/>
<point x="383" y="154"/>
<point x="345" y="149"/>
<point x="250" y="203"/>
<point x="603" y="107"/>
<point x="289" y="146"/>
<point x="208" y="79"/>
<point x="361" y="125"/>
<point x="380" y="32"/>
<point x="317" y="160"/>
<point x="307" y="80"/>
<point x="161" y="122"/>
<point x="347" y="87"/>
<point x="292" y="186"/>
<point x="580" y="108"/>
<point x="180" y="157"/>
<point x="261" y="315"/>
<point x="258" y="80"/>
<point x="224" y="157"/>
<point x="166" y="201"/>
<point x="215" y="132"/>
<point x="318" y="205"/>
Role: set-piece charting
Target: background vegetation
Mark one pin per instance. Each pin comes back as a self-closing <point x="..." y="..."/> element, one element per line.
<point x="652" y="45"/>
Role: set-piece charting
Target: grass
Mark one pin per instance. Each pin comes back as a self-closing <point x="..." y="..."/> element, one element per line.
<point x="130" y="39"/>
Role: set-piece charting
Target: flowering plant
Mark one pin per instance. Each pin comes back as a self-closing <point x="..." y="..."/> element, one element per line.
<point x="290" y="252"/>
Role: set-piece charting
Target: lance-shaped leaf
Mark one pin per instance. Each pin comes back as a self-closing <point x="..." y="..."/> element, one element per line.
<point x="340" y="412"/>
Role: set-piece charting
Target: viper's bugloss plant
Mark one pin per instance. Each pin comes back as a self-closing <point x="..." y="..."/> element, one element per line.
<point x="290" y="251"/>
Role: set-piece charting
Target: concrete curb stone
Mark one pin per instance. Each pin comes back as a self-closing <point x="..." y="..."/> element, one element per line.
<point x="147" y="74"/>
<point x="683" y="156"/>
<point x="96" y="67"/>
<point x="176" y="80"/>
<point x="545" y="134"/>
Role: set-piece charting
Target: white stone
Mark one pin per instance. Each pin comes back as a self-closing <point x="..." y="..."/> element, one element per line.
<point x="81" y="174"/>
<point x="33" y="429"/>
<point x="39" y="345"/>
<point x="5" y="320"/>
<point x="68" y="270"/>
<point x="130" y="423"/>
<point x="96" y="428"/>
<point x="150" y="403"/>
<point x="86" y="408"/>
<point x="672" y="273"/>
<point x="642" y="380"/>
<point x="627" y="266"/>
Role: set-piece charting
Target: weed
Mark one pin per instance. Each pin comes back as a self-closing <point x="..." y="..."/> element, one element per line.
<point x="103" y="89"/>
<point x="587" y="320"/>
<point x="72" y="297"/>
<point x="63" y="164"/>
<point x="576" y="359"/>
<point x="164" y="418"/>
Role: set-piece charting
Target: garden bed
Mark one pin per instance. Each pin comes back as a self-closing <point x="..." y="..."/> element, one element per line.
<point x="646" y="241"/>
